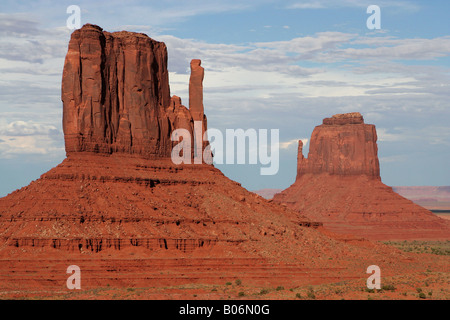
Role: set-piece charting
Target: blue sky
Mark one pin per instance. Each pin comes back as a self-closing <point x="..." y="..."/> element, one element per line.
<point x="268" y="64"/>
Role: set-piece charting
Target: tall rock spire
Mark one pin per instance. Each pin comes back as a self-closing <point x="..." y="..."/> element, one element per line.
<point x="196" y="106"/>
<point x="196" y="90"/>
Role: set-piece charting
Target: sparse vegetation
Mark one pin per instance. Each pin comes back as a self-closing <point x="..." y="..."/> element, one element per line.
<point x="263" y="291"/>
<point x="416" y="246"/>
<point x="238" y="282"/>
<point x="388" y="287"/>
<point x="279" y="288"/>
<point x="241" y="294"/>
<point x="311" y="294"/>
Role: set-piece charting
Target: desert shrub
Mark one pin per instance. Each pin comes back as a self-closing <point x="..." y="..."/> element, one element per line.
<point x="241" y="294"/>
<point x="238" y="282"/>
<point x="311" y="294"/>
<point x="388" y="287"/>
<point x="279" y="288"/>
<point x="422" y="295"/>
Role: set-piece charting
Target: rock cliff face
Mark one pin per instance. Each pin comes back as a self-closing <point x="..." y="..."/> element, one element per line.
<point x="339" y="184"/>
<point x="115" y="89"/>
<point x="342" y="145"/>
<point x="116" y="95"/>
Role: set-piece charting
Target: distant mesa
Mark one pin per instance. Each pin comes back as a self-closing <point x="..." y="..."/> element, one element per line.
<point x="339" y="184"/>
<point x="430" y="197"/>
<point x="267" y="193"/>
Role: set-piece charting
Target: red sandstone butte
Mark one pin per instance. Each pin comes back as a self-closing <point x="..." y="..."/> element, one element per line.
<point x="339" y="184"/>
<point x="342" y="145"/>
<point x="122" y="211"/>
<point x="116" y="95"/>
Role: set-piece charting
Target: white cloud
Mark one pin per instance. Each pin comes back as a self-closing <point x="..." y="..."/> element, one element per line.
<point x="26" y="128"/>
<point x="308" y="5"/>
<point x="292" y="143"/>
<point x="233" y="69"/>
<point x="394" y="158"/>
<point x="306" y="46"/>
<point x="386" y="136"/>
<point x="20" y="137"/>
<point x="397" y="49"/>
<point x="18" y="25"/>
<point x="23" y="39"/>
<point x="330" y="4"/>
<point x="22" y="145"/>
<point x="423" y="135"/>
